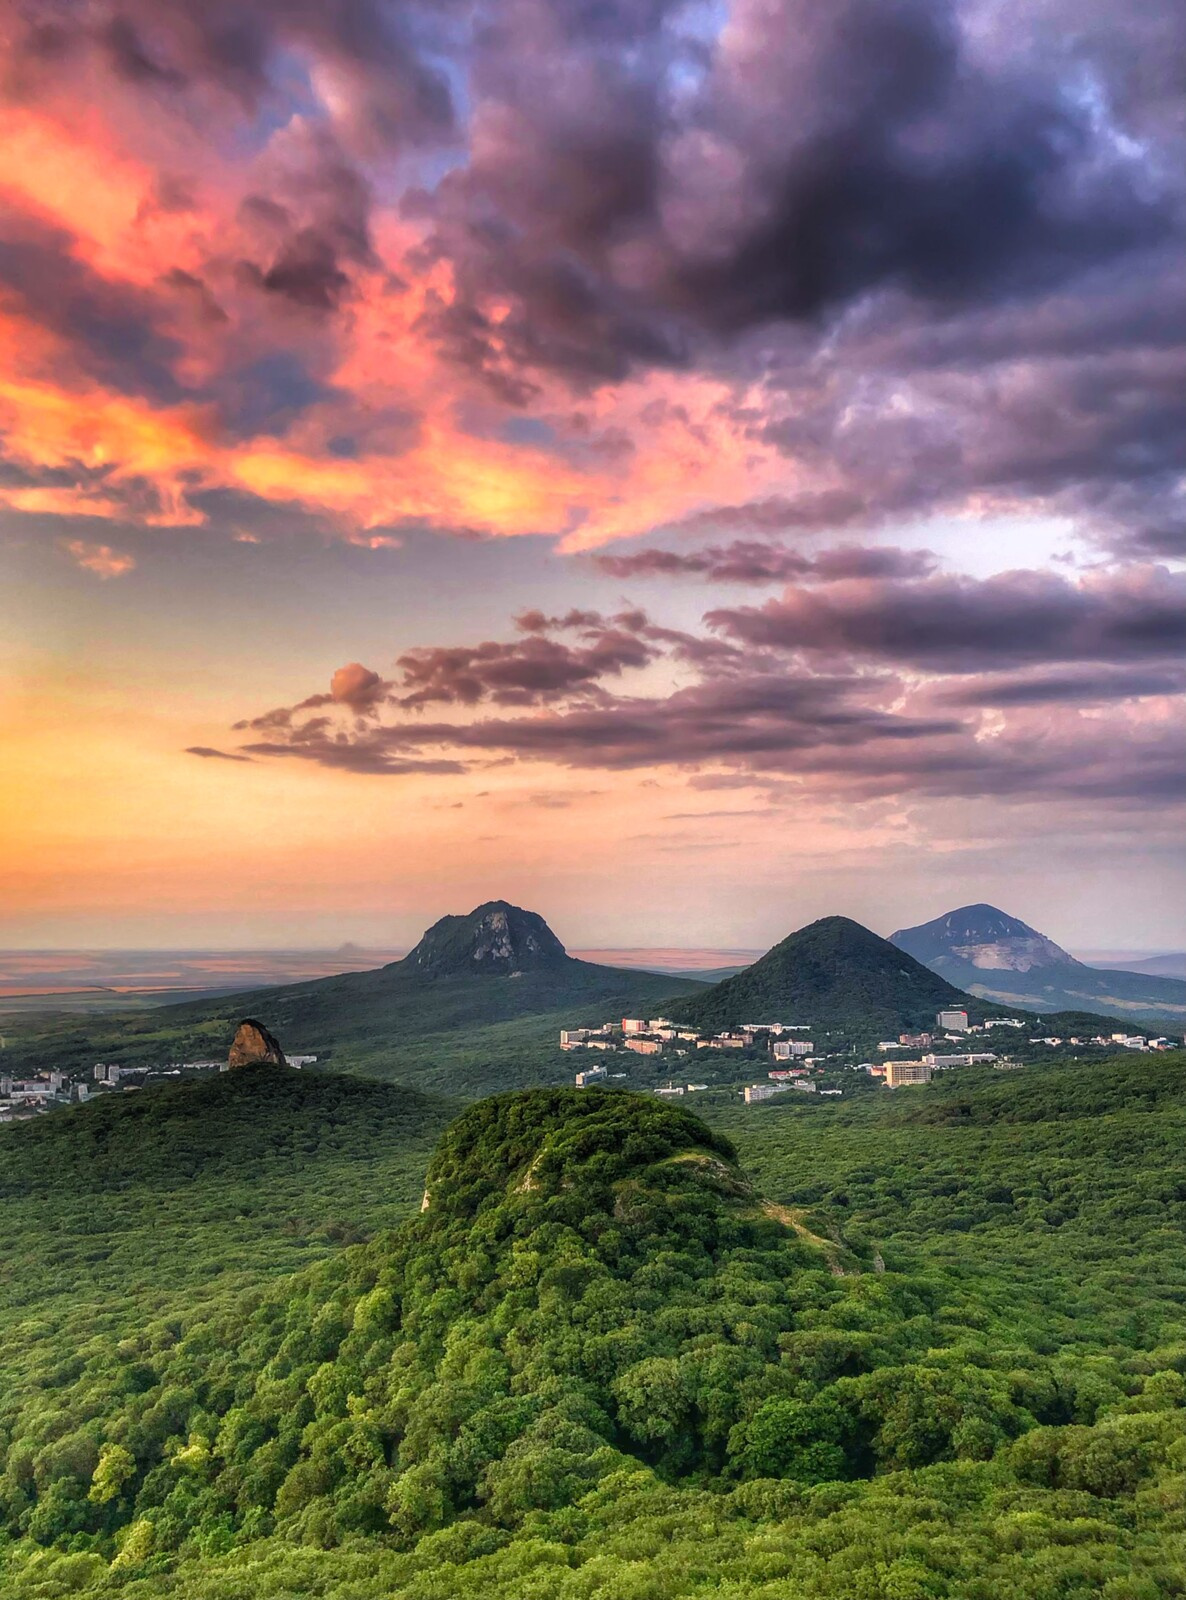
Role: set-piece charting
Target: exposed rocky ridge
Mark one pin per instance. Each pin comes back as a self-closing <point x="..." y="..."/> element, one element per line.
<point x="981" y="936"/>
<point x="496" y="938"/>
<point x="1004" y="960"/>
<point x="254" y="1046"/>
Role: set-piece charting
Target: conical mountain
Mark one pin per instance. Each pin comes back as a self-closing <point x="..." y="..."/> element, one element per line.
<point x="1008" y="963"/>
<point x="833" y="974"/>
<point x="980" y="936"/>
<point x="495" y="939"/>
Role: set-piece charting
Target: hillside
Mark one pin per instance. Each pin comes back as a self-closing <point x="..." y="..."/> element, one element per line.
<point x="600" y="1363"/>
<point x="1002" y="959"/>
<point x="833" y="974"/>
<point x="475" y="1007"/>
<point x="157" y="1203"/>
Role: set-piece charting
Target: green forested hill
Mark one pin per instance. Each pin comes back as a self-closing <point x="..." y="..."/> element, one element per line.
<point x="832" y="974"/>
<point x="928" y="1346"/>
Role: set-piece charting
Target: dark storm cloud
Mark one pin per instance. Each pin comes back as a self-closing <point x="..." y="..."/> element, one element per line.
<point x="826" y="152"/>
<point x="960" y="624"/>
<point x="1082" y="687"/>
<point x="109" y="331"/>
<point x="309" y="244"/>
<point x="239" y="47"/>
<point x="933" y="251"/>
<point x="965" y="270"/>
<point x="757" y="561"/>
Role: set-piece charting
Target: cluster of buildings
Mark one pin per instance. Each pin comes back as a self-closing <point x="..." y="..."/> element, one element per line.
<point x="29" y="1097"/>
<point x="658" y="1036"/>
<point x="654" y="1035"/>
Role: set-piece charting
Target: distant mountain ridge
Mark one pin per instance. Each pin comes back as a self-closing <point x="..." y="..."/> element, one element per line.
<point x="1002" y="959"/>
<point x="475" y="1007"/>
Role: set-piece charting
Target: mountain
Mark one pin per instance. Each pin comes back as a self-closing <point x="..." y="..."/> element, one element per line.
<point x="475" y="1007"/>
<point x="982" y="937"/>
<point x="1172" y="965"/>
<point x="497" y="938"/>
<point x="833" y="975"/>
<point x="1002" y="959"/>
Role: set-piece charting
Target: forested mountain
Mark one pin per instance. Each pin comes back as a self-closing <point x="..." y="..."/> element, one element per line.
<point x="1002" y="959"/>
<point x="838" y="977"/>
<point x="832" y="974"/>
<point x="600" y="1363"/>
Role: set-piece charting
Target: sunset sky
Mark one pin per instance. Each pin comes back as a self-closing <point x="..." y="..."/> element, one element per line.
<point x="686" y="468"/>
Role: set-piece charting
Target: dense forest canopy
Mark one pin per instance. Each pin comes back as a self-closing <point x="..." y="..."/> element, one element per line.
<point x="602" y="1361"/>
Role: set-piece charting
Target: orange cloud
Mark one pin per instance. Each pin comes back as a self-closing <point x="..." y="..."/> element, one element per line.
<point x="463" y="464"/>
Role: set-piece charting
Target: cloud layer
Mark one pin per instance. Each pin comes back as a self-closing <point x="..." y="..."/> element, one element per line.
<point x="590" y="270"/>
<point x="1021" y="687"/>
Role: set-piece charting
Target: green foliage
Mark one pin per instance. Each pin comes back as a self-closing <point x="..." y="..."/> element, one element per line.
<point x="949" y="1362"/>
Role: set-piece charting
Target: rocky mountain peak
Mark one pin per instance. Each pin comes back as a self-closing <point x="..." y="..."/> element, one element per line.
<point x="254" y="1045"/>
<point x="981" y="936"/>
<point x="496" y="938"/>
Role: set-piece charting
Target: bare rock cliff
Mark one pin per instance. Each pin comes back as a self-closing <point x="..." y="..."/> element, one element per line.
<point x="254" y="1046"/>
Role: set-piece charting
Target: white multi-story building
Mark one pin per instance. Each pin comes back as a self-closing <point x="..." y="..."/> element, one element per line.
<point x="899" y="1073"/>
<point x="789" y="1049"/>
<point x="762" y="1091"/>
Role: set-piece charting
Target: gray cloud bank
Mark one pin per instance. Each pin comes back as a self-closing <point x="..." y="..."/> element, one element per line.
<point x="1023" y="686"/>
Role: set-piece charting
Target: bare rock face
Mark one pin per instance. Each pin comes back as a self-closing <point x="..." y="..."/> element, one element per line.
<point x="254" y="1046"/>
<point x="497" y="939"/>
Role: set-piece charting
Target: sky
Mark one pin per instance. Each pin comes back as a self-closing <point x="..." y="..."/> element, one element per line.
<point x="688" y="468"/>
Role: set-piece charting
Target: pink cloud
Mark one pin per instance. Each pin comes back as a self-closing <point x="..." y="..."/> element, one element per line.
<point x="100" y="559"/>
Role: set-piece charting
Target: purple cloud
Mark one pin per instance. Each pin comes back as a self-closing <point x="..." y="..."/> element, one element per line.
<point x="757" y="561"/>
<point x="961" y="624"/>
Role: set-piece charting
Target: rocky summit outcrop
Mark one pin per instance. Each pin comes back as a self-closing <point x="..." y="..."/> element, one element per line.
<point x="496" y="938"/>
<point x="1003" y="959"/>
<point x="980" y="936"/>
<point x="254" y="1046"/>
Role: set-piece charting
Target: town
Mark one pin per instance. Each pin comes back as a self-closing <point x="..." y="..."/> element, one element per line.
<point x="798" y="1064"/>
<point x="21" y="1098"/>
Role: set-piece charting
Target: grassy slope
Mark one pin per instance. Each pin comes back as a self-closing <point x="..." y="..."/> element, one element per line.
<point x="461" y="1035"/>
